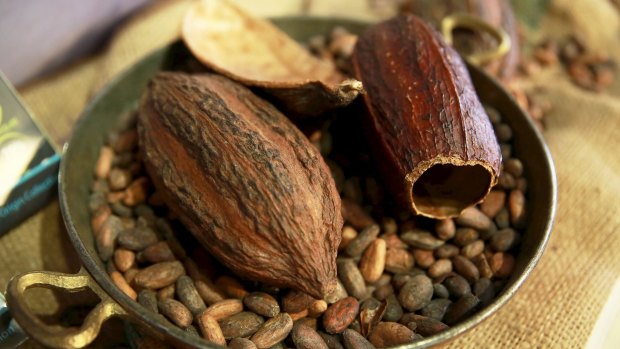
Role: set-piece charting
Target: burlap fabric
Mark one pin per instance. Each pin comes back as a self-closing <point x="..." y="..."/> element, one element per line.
<point x="557" y="306"/>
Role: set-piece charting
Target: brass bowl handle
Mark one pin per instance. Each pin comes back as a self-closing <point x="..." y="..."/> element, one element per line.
<point x="55" y="336"/>
<point x="462" y="20"/>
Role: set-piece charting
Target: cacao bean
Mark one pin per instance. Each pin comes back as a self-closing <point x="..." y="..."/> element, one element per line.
<point x="352" y="279"/>
<point x="472" y="217"/>
<point x="273" y="331"/>
<point x="105" y="237"/>
<point x="148" y="299"/>
<point x="446" y="251"/>
<point x="332" y="341"/>
<point x="465" y="236"/>
<point x="104" y="162"/>
<point x="416" y="293"/>
<point x="243" y="324"/>
<point x="176" y="312"/>
<point x="354" y="340"/>
<point x="241" y="343"/>
<point x="231" y="287"/>
<point x="483" y="266"/>
<point x="363" y="240"/>
<point x="224" y="309"/>
<point x="436" y="309"/>
<point x="137" y="239"/>
<point x="439" y="268"/>
<point x="485" y="291"/>
<point x="305" y="337"/>
<point x="516" y="208"/>
<point x="398" y="260"/>
<point x="167" y="292"/>
<point x="389" y="226"/>
<point x="445" y="229"/>
<point x="424" y="325"/>
<point x="159" y="252"/>
<point x="393" y="310"/>
<point x="440" y="291"/>
<point x="159" y="275"/>
<point x="210" y="329"/>
<point x="493" y="203"/>
<point x="502" y="264"/>
<point x="136" y="192"/>
<point x="118" y="179"/>
<point x="121" y="283"/>
<point x="473" y="249"/>
<point x="337" y="294"/>
<point x="466" y="268"/>
<point x="421" y="239"/>
<point x="317" y="308"/>
<point x="423" y="258"/>
<point x="389" y="334"/>
<point x="340" y="315"/>
<point x="457" y="286"/>
<point x="461" y="309"/>
<point x="372" y="262"/>
<point x="124" y="259"/>
<point x="208" y="293"/>
<point x="296" y="301"/>
<point x="348" y="234"/>
<point x="188" y="295"/>
<point x="262" y="304"/>
<point x="504" y="240"/>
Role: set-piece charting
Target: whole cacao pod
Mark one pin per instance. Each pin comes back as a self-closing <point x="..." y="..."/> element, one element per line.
<point x="244" y="180"/>
<point x="431" y="137"/>
<point x="497" y="13"/>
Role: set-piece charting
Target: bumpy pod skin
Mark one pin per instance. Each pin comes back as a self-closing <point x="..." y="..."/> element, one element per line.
<point x="243" y="179"/>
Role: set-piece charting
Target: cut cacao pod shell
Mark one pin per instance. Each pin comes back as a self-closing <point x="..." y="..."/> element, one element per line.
<point x="497" y="13"/>
<point x="430" y="134"/>
<point x="243" y="179"/>
<point x="256" y="53"/>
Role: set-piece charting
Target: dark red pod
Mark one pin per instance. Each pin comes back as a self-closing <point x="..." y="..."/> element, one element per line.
<point x="431" y="136"/>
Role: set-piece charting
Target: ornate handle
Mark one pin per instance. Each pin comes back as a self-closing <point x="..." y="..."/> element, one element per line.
<point x="55" y="336"/>
<point x="461" y="20"/>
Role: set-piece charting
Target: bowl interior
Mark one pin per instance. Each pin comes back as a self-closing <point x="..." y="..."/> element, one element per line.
<point x="123" y="94"/>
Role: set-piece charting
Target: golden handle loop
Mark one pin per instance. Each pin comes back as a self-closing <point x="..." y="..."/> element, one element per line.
<point x="55" y="336"/>
<point x="461" y="20"/>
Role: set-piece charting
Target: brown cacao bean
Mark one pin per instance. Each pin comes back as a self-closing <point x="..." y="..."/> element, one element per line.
<point x="176" y="312"/>
<point x="305" y="337"/>
<point x="389" y="334"/>
<point x="159" y="275"/>
<point x="210" y="329"/>
<point x="224" y="309"/>
<point x="352" y="278"/>
<point x="262" y="304"/>
<point x="273" y="331"/>
<point x="372" y="262"/>
<point x="340" y="315"/>
<point x="243" y="324"/>
<point x="416" y="293"/>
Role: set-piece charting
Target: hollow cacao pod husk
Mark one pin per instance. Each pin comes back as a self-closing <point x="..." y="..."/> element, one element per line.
<point x="497" y="13"/>
<point x="243" y="179"/>
<point x="430" y="134"/>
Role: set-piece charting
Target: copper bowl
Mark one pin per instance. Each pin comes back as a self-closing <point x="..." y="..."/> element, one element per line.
<point x="123" y="94"/>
